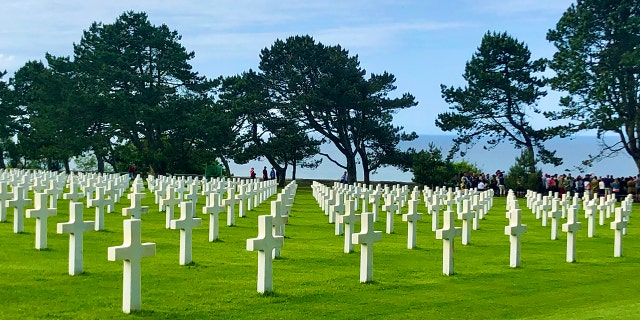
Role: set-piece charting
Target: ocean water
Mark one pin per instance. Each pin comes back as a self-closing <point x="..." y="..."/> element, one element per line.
<point x="573" y="151"/>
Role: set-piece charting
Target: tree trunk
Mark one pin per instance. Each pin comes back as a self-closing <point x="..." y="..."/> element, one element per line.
<point x="351" y="169"/>
<point x="2" y="165"/>
<point x="281" y="172"/>
<point x="293" y="171"/>
<point x="67" y="169"/>
<point x="225" y="163"/>
<point x="100" y="164"/>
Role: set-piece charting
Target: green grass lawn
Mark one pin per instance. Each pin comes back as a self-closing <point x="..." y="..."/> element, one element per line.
<point x="314" y="279"/>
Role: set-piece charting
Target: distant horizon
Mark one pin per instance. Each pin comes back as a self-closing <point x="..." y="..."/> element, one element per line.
<point x="573" y="150"/>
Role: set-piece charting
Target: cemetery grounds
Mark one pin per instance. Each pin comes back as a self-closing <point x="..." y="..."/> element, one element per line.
<point x="315" y="279"/>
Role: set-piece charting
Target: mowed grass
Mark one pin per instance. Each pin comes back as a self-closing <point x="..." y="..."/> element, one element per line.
<point x="314" y="279"/>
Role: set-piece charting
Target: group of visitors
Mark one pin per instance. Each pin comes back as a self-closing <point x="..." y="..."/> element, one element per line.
<point x="483" y="182"/>
<point x="265" y="174"/>
<point x="591" y="184"/>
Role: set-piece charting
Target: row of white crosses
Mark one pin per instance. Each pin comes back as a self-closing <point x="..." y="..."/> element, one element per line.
<point x="271" y="232"/>
<point x="340" y="198"/>
<point x="554" y="207"/>
<point x="170" y="191"/>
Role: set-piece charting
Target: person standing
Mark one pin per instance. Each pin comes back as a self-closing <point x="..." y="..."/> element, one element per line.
<point x="252" y="174"/>
<point x="265" y="176"/>
<point x="272" y="174"/>
<point x="132" y="171"/>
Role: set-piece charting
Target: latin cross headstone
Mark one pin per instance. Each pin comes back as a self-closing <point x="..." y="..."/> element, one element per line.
<point x="477" y="209"/>
<point x="41" y="213"/>
<point x="18" y="202"/>
<point x="230" y="203"/>
<point x="514" y="230"/>
<point x="544" y="208"/>
<point x="136" y="210"/>
<point x="131" y="252"/>
<point x="589" y="213"/>
<point x="213" y="210"/>
<point x="76" y="228"/>
<point x="192" y="197"/>
<point x="279" y="221"/>
<point x="4" y="196"/>
<point x="349" y="220"/>
<point x="447" y="234"/>
<point x="74" y="193"/>
<point x="412" y="217"/>
<point x="337" y="209"/>
<point x="264" y="244"/>
<point x="555" y="213"/>
<point x="366" y="238"/>
<point x="100" y="202"/>
<point x="434" y="208"/>
<point x="168" y="203"/>
<point x="186" y="223"/>
<point x="390" y="206"/>
<point x="602" y="208"/>
<point x="466" y="215"/>
<point x="571" y="227"/>
<point x="618" y="226"/>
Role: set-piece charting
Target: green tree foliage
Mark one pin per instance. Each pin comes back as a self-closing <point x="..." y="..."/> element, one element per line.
<point x="598" y="65"/>
<point x="325" y="89"/>
<point x="501" y="90"/>
<point x="430" y="168"/>
<point x="8" y="114"/>
<point x="50" y="126"/>
<point x="146" y="87"/>
<point x="521" y="176"/>
<point x="263" y="131"/>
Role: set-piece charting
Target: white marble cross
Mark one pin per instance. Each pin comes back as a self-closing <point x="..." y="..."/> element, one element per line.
<point x="213" y="210"/>
<point x="555" y="213"/>
<point x="348" y="220"/>
<point x="590" y="212"/>
<point x="168" y="203"/>
<point x="18" y="202"/>
<point x="544" y="208"/>
<point x="466" y="214"/>
<point x="602" y="209"/>
<point x="447" y="234"/>
<point x="4" y="196"/>
<point x="390" y="206"/>
<point x="41" y="212"/>
<point x="75" y="227"/>
<point x="412" y="217"/>
<point x="186" y="223"/>
<point x="193" y="196"/>
<point x="279" y="220"/>
<point x="434" y="209"/>
<point x="230" y="203"/>
<point x="618" y="226"/>
<point x="514" y="230"/>
<point x="131" y="252"/>
<point x="570" y="228"/>
<point x="337" y="209"/>
<point x="264" y="244"/>
<point x="100" y="202"/>
<point x="74" y="193"/>
<point x="366" y="238"/>
<point x="136" y="210"/>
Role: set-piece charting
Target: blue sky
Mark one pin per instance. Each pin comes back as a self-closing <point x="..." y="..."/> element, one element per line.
<point x="424" y="43"/>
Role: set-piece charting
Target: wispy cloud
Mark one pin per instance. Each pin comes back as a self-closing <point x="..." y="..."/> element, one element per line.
<point x="522" y="7"/>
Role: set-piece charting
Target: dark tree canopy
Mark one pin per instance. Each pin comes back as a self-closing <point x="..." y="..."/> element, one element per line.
<point x="325" y="89"/>
<point x="502" y="89"/>
<point x="598" y="66"/>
